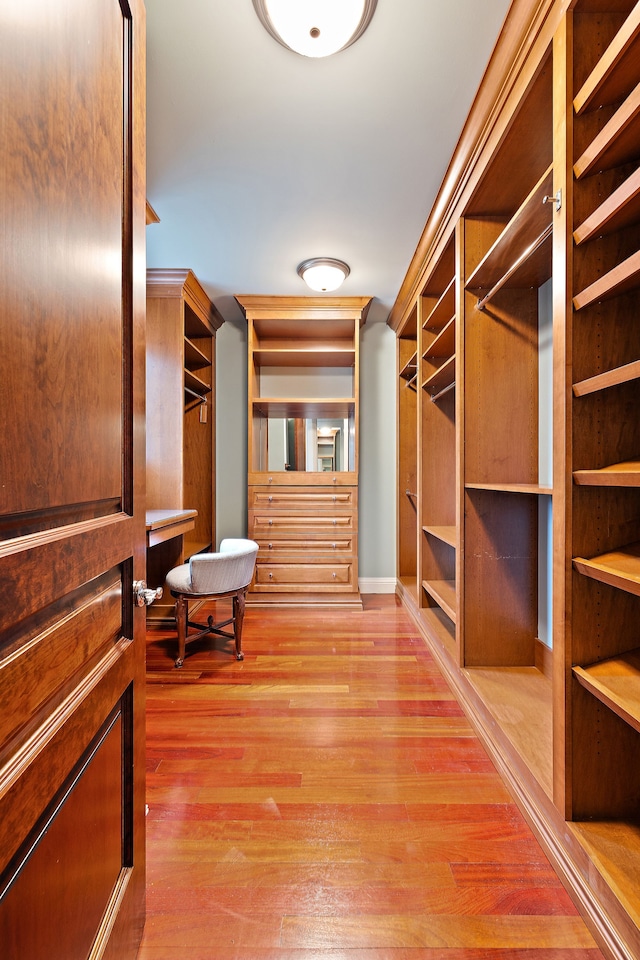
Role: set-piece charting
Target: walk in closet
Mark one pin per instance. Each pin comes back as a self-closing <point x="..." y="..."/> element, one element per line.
<point x="519" y="438"/>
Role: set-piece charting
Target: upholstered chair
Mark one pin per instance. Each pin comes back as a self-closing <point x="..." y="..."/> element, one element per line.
<point x="209" y="576"/>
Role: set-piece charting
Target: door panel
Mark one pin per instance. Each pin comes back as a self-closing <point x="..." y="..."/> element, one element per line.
<point x="72" y="292"/>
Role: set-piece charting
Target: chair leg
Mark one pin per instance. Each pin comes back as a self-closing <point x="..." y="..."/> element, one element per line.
<point x="182" y="612"/>
<point x="239" y="603"/>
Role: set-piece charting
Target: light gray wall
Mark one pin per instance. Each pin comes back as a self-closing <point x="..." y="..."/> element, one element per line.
<point x="377" y="512"/>
<point x="377" y="492"/>
<point x="231" y="430"/>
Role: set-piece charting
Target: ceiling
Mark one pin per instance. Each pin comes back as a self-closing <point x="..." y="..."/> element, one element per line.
<point x="258" y="158"/>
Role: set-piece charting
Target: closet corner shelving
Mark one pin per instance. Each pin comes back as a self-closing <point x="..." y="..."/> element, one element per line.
<point x="518" y="337"/>
<point x="180" y="416"/>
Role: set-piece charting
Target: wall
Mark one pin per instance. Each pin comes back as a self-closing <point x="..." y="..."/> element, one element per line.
<point x="377" y="539"/>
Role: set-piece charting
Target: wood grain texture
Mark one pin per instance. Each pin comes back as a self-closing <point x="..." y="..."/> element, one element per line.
<point x="326" y="797"/>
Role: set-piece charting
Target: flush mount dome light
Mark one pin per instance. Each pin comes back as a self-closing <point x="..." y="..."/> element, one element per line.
<point x="323" y="273"/>
<point x="315" y="28"/>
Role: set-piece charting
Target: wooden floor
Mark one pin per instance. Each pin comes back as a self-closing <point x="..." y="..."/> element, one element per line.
<point x="326" y="799"/>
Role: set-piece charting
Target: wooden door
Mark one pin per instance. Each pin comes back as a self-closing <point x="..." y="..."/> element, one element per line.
<point x="72" y="294"/>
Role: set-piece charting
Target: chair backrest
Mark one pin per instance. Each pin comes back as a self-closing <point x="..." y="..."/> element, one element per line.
<point x="229" y="569"/>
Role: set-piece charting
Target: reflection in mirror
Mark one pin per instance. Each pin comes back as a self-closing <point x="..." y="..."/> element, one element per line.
<point x="311" y="445"/>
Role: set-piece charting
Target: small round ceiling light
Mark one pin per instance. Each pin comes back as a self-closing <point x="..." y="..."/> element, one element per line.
<point x="315" y="28"/>
<point x="323" y="274"/>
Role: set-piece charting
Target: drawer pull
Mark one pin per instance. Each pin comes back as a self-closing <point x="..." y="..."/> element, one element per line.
<point x="270" y="479"/>
<point x="270" y="546"/>
<point x="333" y="575"/>
<point x="270" y="498"/>
<point x="334" y="545"/>
<point x="334" y="498"/>
<point x="270" y="523"/>
<point x="335" y="522"/>
<point x="270" y="576"/>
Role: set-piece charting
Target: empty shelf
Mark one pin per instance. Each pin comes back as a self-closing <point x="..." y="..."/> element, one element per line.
<point x="446" y="534"/>
<point x="626" y="474"/>
<point x="194" y="358"/>
<point x="444" y="593"/>
<point x="616" y="71"/>
<point x="410" y="368"/>
<point x="304" y="407"/>
<point x="443" y="310"/>
<point x="619" y="210"/>
<point x="618" y="568"/>
<point x="616" y="683"/>
<point x="302" y="357"/>
<point x="443" y="379"/>
<point x="529" y="488"/>
<point x="624" y="277"/>
<point x="611" y="378"/>
<point x="618" y="142"/>
<point x="444" y="344"/>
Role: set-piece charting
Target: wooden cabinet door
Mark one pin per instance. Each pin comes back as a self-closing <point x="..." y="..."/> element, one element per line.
<point x="72" y="295"/>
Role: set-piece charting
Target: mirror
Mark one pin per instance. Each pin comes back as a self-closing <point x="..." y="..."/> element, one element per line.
<point x="311" y="445"/>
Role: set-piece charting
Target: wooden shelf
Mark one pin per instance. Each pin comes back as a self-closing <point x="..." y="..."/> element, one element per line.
<point x="611" y="378"/>
<point x="624" y="277"/>
<point x="286" y="322"/>
<point x="444" y="345"/>
<point x="534" y="489"/>
<point x="617" y="69"/>
<point x="519" y="256"/>
<point x="520" y="700"/>
<point x="613" y="846"/>
<point x="444" y="593"/>
<point x="194" y="358"/>
<point x="626" y="474"/>
<point x="446" y="534"/>
<point x="195" y="385"/>
<point x="616" y="683"/>
<point x="618" y="142"/>
<point x="305" y="356"/>
<point x="618" y="568"/>
<point x="409" y="371"/>
<point x="619" y="210"/>
<point x="304" y="407"/>
<point x="442" y="379"/>
<point x="444" y="309"/>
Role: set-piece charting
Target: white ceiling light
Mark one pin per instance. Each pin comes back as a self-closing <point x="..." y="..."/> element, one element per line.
<point x="315" y="28"/>
<point x="323" y="273"/>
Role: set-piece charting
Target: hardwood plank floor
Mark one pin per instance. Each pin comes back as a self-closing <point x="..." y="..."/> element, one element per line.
<point x="326" y="799"/>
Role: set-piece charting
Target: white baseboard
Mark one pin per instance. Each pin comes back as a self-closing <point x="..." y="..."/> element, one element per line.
<point x="377" y="584"/>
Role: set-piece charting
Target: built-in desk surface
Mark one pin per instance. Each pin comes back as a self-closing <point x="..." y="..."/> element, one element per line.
<point x="165" y="524"/>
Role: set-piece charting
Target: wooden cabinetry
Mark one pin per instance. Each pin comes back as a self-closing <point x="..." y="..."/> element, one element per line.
<point x="181" y="328"/>
<point x="519" y="438"/>
<point x="303" y="447"/>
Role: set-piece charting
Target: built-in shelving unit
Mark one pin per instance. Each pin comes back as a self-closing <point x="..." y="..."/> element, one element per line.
<point x="303" y="377"/>
<point x="519" y="317"/>
<point x="181" y="328"/>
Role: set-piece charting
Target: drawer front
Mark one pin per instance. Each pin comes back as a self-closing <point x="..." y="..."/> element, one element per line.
<point x="274" y="549"/>
<point x="317" y="575"/>
<point x="264" y="525"/>
<point x="304" y="499"/>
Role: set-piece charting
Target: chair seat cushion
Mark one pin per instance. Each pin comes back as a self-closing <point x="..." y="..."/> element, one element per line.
<point x="179" y="579"/>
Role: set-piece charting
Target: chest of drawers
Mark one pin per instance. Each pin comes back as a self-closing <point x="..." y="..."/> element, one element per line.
<point x="308" y="542"/>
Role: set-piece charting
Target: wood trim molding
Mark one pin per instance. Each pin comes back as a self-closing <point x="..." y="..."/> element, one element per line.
<point x="259" y="307"/>
<point x="176" y="283"/>
<point x="529" y="22"/>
